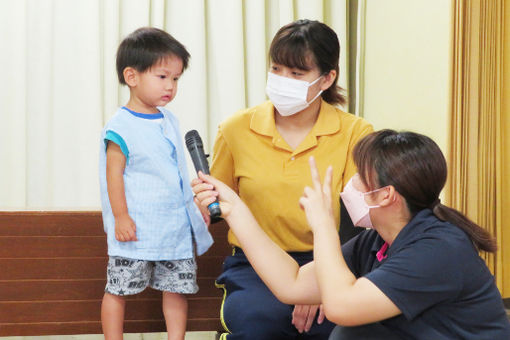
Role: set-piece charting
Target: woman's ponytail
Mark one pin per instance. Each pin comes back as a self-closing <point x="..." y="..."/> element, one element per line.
<point x="480" y="237"/>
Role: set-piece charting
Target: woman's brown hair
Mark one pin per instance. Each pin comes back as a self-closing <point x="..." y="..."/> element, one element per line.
<point x="305" y="43"/>
<point x="415" y="166"/>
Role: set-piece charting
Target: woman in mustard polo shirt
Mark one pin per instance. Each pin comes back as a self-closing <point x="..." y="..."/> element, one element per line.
<point x="262" y="153"/>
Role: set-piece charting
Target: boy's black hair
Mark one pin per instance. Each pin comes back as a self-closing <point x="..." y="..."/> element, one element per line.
<point x="145" y="47"/>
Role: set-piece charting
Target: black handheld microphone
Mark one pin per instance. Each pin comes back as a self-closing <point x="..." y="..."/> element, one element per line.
<point x="199" y="158"/>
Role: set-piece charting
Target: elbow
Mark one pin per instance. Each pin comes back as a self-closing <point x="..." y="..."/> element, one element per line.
<point x="340" y="314"/>
<point x="290" y="296"/>
<point x="284" y="296"/>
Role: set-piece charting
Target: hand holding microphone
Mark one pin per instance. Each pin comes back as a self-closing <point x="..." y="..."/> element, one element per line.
<point x="196" y="150"/>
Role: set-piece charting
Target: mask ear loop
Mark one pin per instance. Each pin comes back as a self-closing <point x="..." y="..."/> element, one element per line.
<point x="320" y="92"/>
<point x="371" y="192"/>
<point x="316" y="80"/>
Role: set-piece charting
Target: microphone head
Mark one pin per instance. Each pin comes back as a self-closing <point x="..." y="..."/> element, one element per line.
<point x="193" y="138"/>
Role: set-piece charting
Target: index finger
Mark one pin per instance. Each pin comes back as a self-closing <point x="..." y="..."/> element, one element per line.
<point x="326" y="188"/>
<point x="320" y="318"/>
<point x="316" y="180"/>
<point x="196" y="181"/>
<point x="208" y="179"/>
<point x="312" y="311"/>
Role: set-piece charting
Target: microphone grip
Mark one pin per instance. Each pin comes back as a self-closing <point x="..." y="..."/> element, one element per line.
<point x="200" y="162"/>
<point x="214" y="210"/>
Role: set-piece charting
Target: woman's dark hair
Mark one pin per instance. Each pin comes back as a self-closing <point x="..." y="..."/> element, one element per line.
<point x="145" y="47"/>
<point x="305" y="43"/>
<point x="415" y="166"/>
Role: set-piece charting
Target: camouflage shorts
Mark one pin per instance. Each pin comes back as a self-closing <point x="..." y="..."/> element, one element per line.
<point x="127" y="276"/>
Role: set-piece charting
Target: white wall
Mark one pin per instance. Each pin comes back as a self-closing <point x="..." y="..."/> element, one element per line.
<point x="407" y="66"/>
<point x="60" y="84"/>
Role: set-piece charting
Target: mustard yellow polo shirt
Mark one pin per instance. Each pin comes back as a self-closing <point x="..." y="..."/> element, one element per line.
<point x="252" y="158"/>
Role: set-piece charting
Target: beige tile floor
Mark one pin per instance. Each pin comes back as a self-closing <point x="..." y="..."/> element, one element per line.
<point x="134" y="336"/>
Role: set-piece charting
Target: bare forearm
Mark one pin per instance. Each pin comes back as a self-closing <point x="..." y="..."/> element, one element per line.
<point x="279" y="271"/>
<point x="116" y="194"/>
<point x="333" y="275"/>
<point x="115" y="166"/>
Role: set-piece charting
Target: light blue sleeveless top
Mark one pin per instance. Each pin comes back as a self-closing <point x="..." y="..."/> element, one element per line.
<point x="158" y="193"/>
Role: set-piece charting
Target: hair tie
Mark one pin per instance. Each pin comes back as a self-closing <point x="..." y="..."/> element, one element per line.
<point x="435" y="203"/>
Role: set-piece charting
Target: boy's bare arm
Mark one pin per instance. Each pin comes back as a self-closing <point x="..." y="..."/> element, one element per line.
<point x="125" y="228"/>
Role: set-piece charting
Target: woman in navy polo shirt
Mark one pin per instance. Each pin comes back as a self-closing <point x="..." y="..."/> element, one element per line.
<point x="415" y="273"/>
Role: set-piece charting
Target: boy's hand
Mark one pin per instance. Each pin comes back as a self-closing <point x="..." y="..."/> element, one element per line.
<point x="125" y="228"/>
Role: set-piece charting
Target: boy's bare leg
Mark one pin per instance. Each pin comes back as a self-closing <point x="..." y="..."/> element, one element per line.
<point x="175" y="309"/>
<point x="112" y="316"/>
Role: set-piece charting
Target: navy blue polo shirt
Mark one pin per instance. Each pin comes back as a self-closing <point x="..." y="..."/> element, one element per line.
<point x="434" y="275"/>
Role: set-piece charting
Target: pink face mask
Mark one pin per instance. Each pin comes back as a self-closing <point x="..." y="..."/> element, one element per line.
<point x="358" y="209"/>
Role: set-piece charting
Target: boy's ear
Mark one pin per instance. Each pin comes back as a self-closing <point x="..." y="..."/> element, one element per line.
<point x="130" y="76"/>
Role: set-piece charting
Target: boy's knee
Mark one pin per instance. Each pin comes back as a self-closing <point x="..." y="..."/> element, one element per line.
<point x="115" y="297"/>
<point x="174" y="298"/>
<point x="111" y="301"/>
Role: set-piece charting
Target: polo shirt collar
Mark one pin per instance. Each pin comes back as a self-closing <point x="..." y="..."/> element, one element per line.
<point x="328" y="121"/>
<point x="411" y="229"/>
<point x="417" y="224"/>
<point x="262" y="121"/>
<point x="376" y="246"/>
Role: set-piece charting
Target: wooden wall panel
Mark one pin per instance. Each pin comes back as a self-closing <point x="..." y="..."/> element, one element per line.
<point x="51" y="290"/>
<point x="81" y="268"/>
<point x="51" y="223"/>
<point x="94" y="327"/>
<point x="53" y="273"/>
<point x="52" y="246"/>
<point x="89" y="310"/>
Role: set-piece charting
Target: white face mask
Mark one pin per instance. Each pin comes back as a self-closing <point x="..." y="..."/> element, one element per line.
<point x="289" y="95"/>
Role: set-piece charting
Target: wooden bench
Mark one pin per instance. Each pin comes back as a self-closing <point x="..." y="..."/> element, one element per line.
<point x="53" y="273"/>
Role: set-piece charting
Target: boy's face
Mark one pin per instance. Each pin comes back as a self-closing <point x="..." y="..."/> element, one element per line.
<point x="158" y="85"/>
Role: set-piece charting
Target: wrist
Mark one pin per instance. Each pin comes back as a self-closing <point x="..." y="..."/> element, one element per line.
<point x="120" y="214"/>
<point x="327" y="222"/>
<point x="238" y="210"/>
<point x="325" y="228"/>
